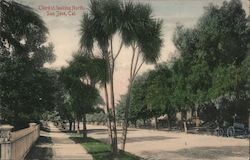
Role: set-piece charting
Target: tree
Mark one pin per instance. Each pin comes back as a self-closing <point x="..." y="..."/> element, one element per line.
<point x="134" y="113"/>
<point x="132" y="21"/>
<point x="139" y="93"/>
<point x="26" y="87"/>
<point x="159" y="92"/>
<point x="137" y="20"/>
<point x="100" y="25"/>
<point x="212" y="53"/>
<point x="77" y="79"/>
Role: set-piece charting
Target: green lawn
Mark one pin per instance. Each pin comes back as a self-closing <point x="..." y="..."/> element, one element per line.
<point x="100" y="150"/>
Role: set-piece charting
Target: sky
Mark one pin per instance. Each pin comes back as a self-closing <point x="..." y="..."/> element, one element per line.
<point x="64" y="29"/>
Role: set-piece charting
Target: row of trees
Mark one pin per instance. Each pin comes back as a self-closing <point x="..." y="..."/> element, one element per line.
<point x="30" y="92"/>
<point x="212" y="71"/>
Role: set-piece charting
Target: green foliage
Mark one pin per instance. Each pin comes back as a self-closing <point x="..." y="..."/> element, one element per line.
<point x="135" y="113"/>
<point x="77" y="79"/>
<point x="100" y="117"/>
<point x="212" y="70"/>
<point x="159" y="88"/>
<point x="26" y="88"/>
<point x="131" y="20"/>
<point x="23" y="33"/>
<point x="213" y="51"/>
<point x="136" y="20"/>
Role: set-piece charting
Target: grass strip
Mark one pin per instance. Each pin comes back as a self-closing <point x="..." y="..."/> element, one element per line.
<point x="100" y="150"/>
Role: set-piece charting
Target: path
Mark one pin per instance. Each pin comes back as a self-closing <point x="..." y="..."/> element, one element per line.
<point x="58" y="146"/>
<point x="163" y="145"/>
<point x="64" y="148"/>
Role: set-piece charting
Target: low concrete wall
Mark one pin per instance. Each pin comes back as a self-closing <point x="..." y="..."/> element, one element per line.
<point x="16" y="145"/>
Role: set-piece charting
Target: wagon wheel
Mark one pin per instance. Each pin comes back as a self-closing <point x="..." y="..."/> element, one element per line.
<point x="219" y="132"/>
<point x="230" y="131"/>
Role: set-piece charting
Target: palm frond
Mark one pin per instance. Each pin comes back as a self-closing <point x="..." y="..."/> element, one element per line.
<point x="87" y="35"/>
<point x="138" y="26"/>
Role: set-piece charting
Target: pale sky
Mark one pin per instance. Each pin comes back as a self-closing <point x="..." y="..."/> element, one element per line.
<point x="64" y="30"/>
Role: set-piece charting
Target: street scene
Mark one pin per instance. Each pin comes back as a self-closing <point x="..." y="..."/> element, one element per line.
<point x="125" y="80"/>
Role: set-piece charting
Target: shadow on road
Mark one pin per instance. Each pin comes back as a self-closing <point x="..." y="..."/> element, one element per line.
<point x="196" y="153"/>
<point x="147" y="138"/>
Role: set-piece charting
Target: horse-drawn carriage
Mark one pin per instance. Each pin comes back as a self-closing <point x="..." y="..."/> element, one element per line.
<point x="234" y="130"/>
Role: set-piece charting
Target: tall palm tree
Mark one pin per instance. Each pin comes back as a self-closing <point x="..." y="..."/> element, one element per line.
<point x="137" y="29"/>
<point x="143" y="34"/>
<point x="100" y="25"/>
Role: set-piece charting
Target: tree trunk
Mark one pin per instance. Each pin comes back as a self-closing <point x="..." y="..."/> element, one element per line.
<point x="70" y="125"/>
<point x="248" y="121"/>
<point x="78" y="126"/>
<point x="184" y="120"/>
<point x="197" y="119"/>
<point x="114" y="140"/>
<point x="74" y="125"/>
<point x="135" y="123"/>
<point x="169" y="123"/>
<point x="126" y="112"/>
<point x="185" y="126"/>
<point x="110" y="66"/>
<point x="108" y="113"/>
<point x="156" y="124"/>
<point x="84" y="126"/>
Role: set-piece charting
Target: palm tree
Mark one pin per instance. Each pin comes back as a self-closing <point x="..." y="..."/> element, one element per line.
<point x="100" y="25"/>
<point x="131" y="21"/>
<point x="142" y="33"/>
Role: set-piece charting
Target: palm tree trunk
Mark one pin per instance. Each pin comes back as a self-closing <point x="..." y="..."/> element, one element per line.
<point x="114" y="141"/>
<point x="125" y="123"/>
<point x="108" y="112"/>
<point x="110" y="66"/>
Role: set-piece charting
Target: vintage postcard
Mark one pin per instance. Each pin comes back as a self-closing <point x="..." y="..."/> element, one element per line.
<point x="125" y="79"/>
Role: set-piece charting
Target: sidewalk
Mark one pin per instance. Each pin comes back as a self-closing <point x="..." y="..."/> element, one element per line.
<point x="64" y="148"/>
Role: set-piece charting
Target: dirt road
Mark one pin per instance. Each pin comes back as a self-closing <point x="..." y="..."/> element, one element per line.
<point x="163" y="145"/>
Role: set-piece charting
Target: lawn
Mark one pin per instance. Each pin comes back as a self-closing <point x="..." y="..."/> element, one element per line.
<point x="100" y="150"/>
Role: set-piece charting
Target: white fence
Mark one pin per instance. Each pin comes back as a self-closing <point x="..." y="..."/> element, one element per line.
<point x="16" y="145"/>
